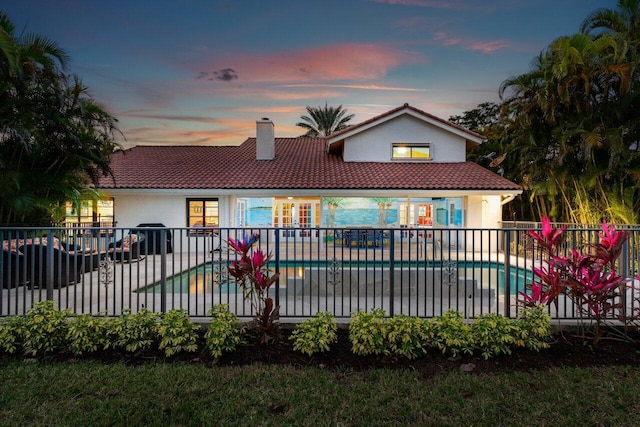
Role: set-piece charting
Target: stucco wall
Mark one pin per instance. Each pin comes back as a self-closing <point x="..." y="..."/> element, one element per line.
<point x="170" y="210"/>
<point x="483" y="212"/>
<point x="374" y="145"/>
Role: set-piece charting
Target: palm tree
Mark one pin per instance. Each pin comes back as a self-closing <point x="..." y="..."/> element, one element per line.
<point x="625" y="20"/>
<point x="323" y="121"/>
<point x="54" y="139"/>
<point x="571" y="123"/>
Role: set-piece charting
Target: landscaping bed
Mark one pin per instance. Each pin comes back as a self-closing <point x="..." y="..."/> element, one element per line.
<point x="566" y="350"/>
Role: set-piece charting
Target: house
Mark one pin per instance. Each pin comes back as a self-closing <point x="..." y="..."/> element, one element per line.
<point x="403" y="168"/>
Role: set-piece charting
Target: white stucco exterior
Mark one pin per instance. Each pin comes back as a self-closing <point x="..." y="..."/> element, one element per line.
<point x="374" y="144"/>
<point x="167" y="209"/>
<point x="371" y="141"/>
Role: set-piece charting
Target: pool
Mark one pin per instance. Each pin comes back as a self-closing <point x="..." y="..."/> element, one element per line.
<point x="210" y="277"/>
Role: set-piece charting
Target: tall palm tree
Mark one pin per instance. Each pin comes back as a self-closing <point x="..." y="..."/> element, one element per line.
<point x="323" y="121"/>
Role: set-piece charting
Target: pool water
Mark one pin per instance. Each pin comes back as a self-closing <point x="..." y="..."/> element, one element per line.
<point x="211" y="278"/>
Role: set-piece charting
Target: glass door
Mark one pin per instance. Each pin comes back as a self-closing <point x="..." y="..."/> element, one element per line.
<point x="293" y="214"/>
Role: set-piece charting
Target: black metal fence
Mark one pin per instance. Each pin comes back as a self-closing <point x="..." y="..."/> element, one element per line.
<point x="418" y="272"/>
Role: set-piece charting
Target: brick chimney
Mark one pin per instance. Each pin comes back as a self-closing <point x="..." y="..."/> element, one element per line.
<point x="265" y="140"/>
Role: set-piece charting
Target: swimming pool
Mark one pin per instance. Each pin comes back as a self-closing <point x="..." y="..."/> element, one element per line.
<point x="210" y="277"/>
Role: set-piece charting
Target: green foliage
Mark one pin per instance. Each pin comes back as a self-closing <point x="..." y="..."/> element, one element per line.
<point x="316" y="334"/>
<point x="45" y="329"/>
<point x="323" y="121"/>
<point x="223" y="334"/>
<point x="177" y="333"/>
<point x="493" y="335"/>
<point x="134" y="332"/>
<point x="87" y="334"/>
<point x="406" y="336"/>
<point x="11" y="333"/>
<point x="451" y="334"/>
<point x="532" y="328"/>
<point x="253" y="275"/>
<point x="56" y="140"/>
<point x="367" y="332"/>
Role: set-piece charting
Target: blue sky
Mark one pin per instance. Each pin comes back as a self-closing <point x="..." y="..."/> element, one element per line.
<point x="202" y="71"/>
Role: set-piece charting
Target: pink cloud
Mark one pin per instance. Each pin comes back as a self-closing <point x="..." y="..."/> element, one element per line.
<point x="361" y="87"/>
<point x="351" y="61"/>
<point x="468" y="44"/>
<point x="435" y="4"/>
<point x="489" y="47"/>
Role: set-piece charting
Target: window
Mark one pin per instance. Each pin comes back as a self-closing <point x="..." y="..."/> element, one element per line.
<point x="403" y="151"/>
<point x="90" y="213"/>
<point x="202" y="213"/>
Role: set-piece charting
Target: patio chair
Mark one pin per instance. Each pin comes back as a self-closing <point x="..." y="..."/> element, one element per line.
<point x="129" y="248"/>
<point x="14" y="273"/>
<point x="67" y="267"/>
<point x="91" y="258"/>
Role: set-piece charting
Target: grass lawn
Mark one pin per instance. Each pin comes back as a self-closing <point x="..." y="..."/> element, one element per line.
<point x="97" y="394"/>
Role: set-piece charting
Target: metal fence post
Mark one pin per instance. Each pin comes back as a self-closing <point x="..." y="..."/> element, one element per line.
<point x="392" y="270"/>
<point x="50" y="267"/>
<point x="163" y="270"/>
<point x="507" y="275"/>
<point x="277" y="261"/>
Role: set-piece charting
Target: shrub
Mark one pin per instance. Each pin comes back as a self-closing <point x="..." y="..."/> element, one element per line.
<point x="406" y="336"/>
<point x="367" y="331"/>
<point x="88" y="334"/>
<point x="589" y="279"/>
<point x="223" y="334"/>
<point x="177" y="333"/>
<point x="134" y="332"/>
<point x="11" y="333"/>
<point x="252" y="274"/>
<point x="45" y="329"/>
<point x="532" y="328"/>
<point x="450" y="333"/>
<point x="493" y="335"/>
<point x="315" y="335"/>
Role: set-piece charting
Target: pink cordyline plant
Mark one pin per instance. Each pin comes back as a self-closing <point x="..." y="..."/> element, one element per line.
<point x="589" y="279"/>
<point x="253" y="275"/>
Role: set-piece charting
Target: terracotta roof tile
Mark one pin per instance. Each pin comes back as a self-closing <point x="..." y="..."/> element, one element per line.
<point x="300" y="163"/>
<point x="402" y="107"/>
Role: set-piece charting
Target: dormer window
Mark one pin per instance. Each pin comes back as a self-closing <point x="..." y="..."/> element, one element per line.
<point x="406" y="151"/>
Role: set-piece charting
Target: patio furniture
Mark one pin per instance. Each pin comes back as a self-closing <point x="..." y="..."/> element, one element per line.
<point x="363" y="237"/>
<point x="92" y="258"/>
<point x="67" y="267"/>
<point x="128" y="249"/>
<point x="14" y="273"/>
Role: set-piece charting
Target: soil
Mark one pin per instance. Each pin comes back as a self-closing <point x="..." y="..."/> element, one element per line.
<point x="567" y="350"/>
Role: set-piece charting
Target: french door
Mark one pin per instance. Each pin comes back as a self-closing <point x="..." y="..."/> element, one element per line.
<point x="292" y="214"/>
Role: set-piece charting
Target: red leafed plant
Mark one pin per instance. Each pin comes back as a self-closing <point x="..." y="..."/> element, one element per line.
<point x="252" y="274"/>
<point x="590" y="279"/>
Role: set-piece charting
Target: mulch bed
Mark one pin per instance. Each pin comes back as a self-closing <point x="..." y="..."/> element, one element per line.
<point x="567" y="350"/>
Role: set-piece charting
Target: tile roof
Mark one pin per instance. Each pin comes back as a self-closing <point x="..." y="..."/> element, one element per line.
<point x="300" y="163"/>
<point x="400" y="108"/>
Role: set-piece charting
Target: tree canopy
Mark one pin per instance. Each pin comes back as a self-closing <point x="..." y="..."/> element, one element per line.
<point x="55" y="140"/>
<point x="323" y="121"/>
<point x="569" y="129"/>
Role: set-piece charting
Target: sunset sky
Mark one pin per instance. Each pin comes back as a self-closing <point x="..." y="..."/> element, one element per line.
<point x="203" y="71"/>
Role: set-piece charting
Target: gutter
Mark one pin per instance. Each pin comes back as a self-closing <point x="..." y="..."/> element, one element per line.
<point x="506" y="200"/>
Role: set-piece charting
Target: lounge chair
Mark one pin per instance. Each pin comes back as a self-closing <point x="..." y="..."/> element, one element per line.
<point x="67" y="267"/>
<point x="129" y="248"/>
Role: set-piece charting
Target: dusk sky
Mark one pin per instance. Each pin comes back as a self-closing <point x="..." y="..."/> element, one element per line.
<point x="193" y="72"/>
